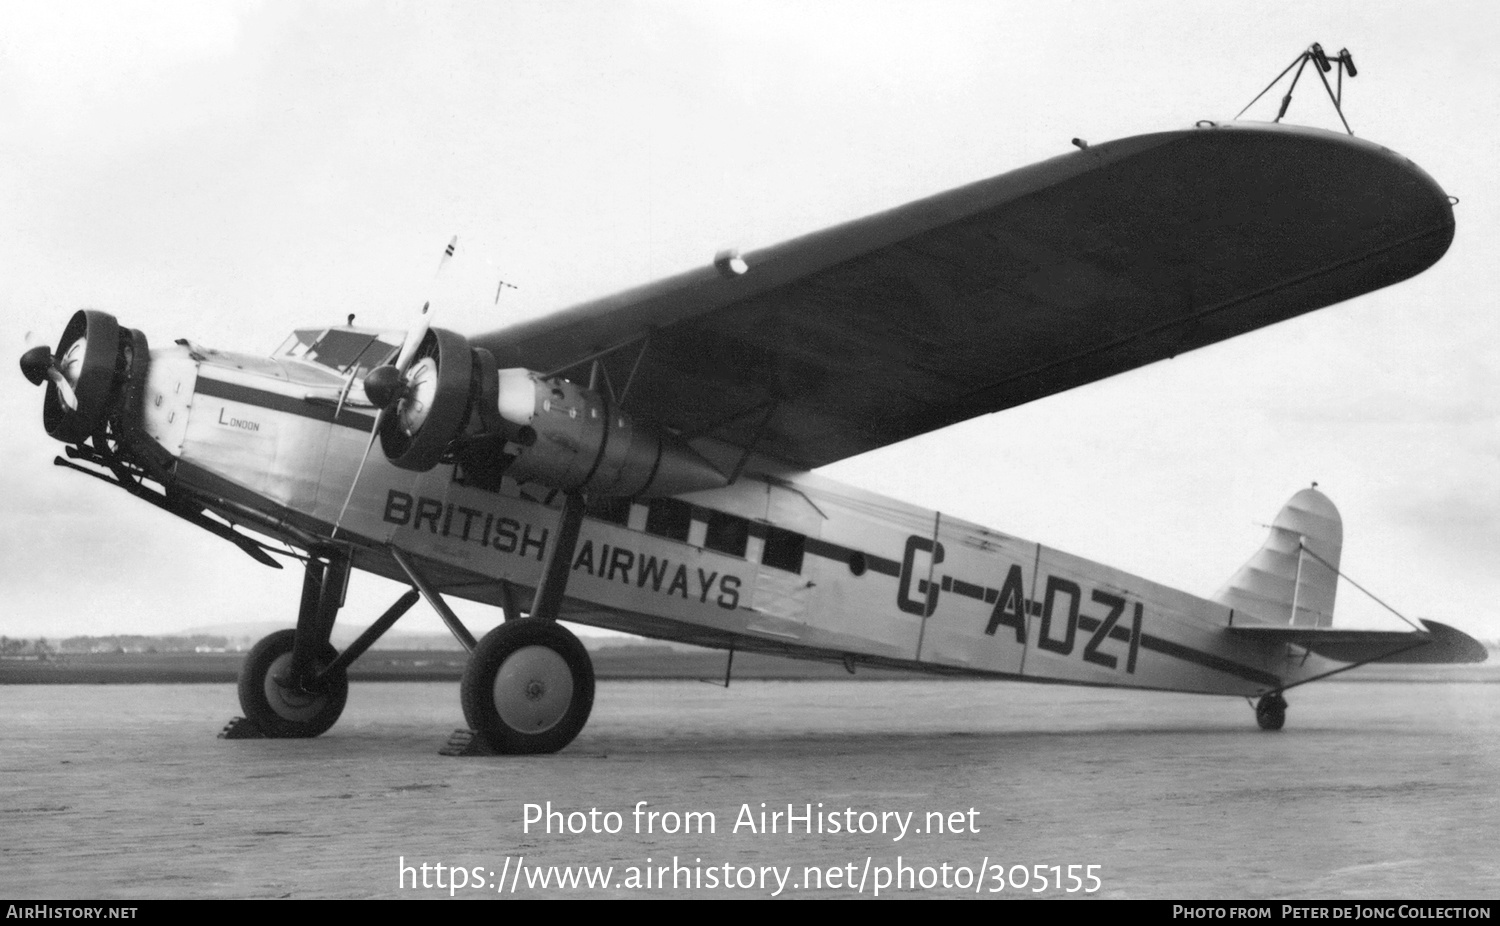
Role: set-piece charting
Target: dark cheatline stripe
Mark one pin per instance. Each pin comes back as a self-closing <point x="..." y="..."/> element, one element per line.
<point x="260" y="398"/>
<point x="1085" y="623"/>
<point x="886" y="567"/>
<point x="827" y="550"/>
<point x="1178" y="651"/>
<point x="960" y="587"/>
<point x="1207" y="660"/>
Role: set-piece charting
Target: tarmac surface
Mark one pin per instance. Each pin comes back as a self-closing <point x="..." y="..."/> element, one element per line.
<point x="1374" y="790"/>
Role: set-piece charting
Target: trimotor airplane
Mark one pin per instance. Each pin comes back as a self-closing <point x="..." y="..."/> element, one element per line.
<point x="643" y="462"/>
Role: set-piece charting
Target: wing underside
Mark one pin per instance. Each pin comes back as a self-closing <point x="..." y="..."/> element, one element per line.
<point x="1005" y="291"/>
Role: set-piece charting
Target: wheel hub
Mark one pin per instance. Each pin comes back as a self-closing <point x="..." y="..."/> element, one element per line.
<point x="288" y="699"/>
<point x="533" y="689"/>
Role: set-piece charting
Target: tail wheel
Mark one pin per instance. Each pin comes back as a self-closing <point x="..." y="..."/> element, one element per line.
<point x="528" y="688"/>
<point x="276" y="704"/>
<point x="433" y="405"/>
<point x="1270" y="711"/>
<point x="87" y="355"/>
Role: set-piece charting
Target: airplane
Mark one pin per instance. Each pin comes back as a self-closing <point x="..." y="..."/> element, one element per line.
<point x="644" y="462"/>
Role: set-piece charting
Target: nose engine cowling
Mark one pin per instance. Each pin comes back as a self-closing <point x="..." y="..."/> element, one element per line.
<point x="86" y="376"/>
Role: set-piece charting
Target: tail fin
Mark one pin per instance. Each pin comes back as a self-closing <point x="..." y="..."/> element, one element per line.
<point x="1293" y="578"/>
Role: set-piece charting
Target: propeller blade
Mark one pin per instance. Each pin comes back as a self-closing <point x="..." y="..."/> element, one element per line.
<point x="418" y="330"/>
<point x="374" y="433"/>
<point x="414" y="336"/>
<point x="395" y="390"/>
<point x="65" y="391"/>
<point x="38" y="366"/>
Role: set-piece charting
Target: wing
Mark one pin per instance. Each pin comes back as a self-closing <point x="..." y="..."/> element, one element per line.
<point x="1006" y="290"/>
<point x="1438" y="643"/>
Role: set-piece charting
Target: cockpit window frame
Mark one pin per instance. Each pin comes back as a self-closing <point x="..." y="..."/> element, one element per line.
<point x="302" y="344"/>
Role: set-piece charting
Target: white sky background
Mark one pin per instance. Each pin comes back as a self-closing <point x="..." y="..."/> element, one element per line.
<point x="225" y="172"/>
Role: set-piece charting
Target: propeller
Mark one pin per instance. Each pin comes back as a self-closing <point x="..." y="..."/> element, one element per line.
<point x="392" y="391"/>
<point x="38" y="365"/>
<point x="80" y="374"/>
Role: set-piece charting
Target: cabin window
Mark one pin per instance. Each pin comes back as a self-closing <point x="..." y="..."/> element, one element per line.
<point x="669" y="517"/>
<point x="613" y="510"/>
<point x="783" y="550"/>
<point x="727" y="533"/>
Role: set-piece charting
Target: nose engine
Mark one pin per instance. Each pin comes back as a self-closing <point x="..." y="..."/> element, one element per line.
<point x="88" y="375"/>
<point x="454" y="403"/>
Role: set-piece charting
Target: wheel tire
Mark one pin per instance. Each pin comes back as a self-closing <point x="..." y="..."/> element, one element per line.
<point x="283" y="713"/>
<point x="421" y="450"/>
<point x="528" y="688"/>
<point x="99" y="334"/>
<point x="1270" y="711"/>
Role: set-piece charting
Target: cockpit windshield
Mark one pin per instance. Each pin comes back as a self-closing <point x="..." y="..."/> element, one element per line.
<point x="342" y="349"/>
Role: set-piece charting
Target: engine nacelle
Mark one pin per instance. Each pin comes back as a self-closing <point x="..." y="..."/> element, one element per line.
<point x="453" y="403"/>
<point x="565" y="436"/>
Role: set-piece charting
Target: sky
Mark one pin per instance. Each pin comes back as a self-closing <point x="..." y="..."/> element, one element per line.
<point x="226" y="172"/>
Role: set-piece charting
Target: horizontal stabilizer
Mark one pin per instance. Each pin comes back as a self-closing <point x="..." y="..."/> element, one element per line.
<point x="1439" y="643"/>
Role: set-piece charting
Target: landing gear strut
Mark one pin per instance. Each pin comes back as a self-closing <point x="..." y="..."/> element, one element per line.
<point x="292" y="683"/>
<point x="1270" y="711"/>
<point x="528" y="687"/>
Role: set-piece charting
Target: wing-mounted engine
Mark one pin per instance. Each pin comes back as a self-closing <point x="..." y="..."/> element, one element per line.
<point x="425" y="410"/>
<point x="453" y="403"/>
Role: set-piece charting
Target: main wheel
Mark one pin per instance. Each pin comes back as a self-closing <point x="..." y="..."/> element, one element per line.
<point x="278" y="707"/>
<point x="528" y="688"/>
<point x="1270" y="711"/>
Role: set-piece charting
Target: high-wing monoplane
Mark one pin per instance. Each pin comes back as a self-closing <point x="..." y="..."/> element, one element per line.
<point x="644" y="462"/>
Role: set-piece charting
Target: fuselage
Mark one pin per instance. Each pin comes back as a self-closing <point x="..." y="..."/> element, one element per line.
<point x="777" y="561"/>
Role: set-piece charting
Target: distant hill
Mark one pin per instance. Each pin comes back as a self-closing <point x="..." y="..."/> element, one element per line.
<point x="243" y="635"/>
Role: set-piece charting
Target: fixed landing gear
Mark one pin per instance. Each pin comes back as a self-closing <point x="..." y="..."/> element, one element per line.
<point x="529" y="685"/>
<point x="293" y="683"/>
<point x="1270" y="711"/>
<point x="528" y="688"/>
<point x="278" y="705"/>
